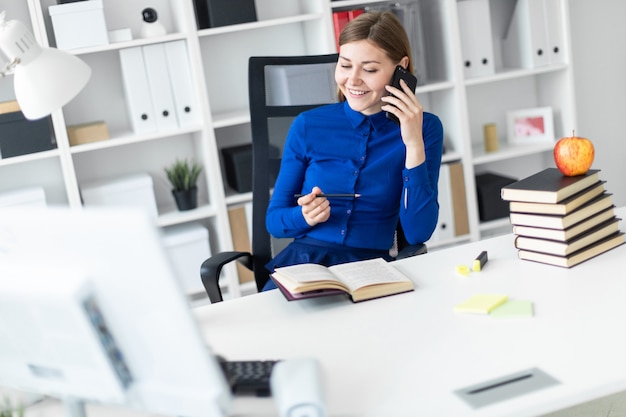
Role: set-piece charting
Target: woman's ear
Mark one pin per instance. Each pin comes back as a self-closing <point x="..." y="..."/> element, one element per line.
<point x="404" y="62"/>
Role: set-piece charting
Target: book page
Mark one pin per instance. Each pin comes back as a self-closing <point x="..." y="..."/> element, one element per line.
<point x="307" y="273"/>
<point x="374" y="271"/>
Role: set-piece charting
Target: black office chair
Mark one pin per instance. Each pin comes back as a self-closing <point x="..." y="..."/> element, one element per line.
<point x="280" y="88"/>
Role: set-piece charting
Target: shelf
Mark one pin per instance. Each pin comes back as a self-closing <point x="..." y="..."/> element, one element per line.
<point x="174" y="216"/>
<point x="434" y="86"/>
<point x="232" y="118"/>
<point x="240" y="198"/>
<point x="127" y="44"/>
<point x="354" y="3"/>
<point x="506" y="151"/>
<point x="53" y="153"/>
<point x="509" y="74"/>
<point x="259" y="24"/>
<point x="451" y="156"/>
<point x="129" y="139"/>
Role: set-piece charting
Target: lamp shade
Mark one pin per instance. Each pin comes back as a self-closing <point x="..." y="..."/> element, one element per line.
<point x="45" y="79"/>
<point x="49" y="82"/>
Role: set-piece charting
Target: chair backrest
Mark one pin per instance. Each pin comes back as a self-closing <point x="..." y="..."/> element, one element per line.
<point x="279" y="89"/>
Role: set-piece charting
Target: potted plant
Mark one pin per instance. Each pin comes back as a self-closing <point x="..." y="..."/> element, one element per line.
<point x="183" y="174"/>
<point x="8" y="410"/>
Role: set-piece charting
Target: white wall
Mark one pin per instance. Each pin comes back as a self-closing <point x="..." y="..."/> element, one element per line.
<point x="599" y="57"/>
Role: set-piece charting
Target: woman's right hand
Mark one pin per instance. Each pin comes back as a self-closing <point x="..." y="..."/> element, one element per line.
<point x="314" y="209"/>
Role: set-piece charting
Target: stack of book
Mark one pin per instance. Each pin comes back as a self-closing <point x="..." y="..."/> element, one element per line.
<point x="562" y="220"/>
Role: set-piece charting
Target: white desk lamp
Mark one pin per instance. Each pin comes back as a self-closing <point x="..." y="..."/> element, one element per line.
<point x="45" y="79"/>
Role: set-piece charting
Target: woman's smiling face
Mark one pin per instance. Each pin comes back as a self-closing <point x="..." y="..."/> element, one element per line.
<point x="362" y="72"/>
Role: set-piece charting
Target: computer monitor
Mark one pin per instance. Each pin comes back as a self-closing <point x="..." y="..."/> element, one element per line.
<point x="90" y="311"/>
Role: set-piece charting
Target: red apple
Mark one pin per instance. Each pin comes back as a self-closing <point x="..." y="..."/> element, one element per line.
<point x="573" y="155"/>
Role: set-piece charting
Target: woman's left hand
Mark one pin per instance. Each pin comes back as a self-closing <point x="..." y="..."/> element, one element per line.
<point x="408" y="109"/>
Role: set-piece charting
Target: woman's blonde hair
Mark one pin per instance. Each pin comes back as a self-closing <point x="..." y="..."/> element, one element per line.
<point x="384" y="30"/>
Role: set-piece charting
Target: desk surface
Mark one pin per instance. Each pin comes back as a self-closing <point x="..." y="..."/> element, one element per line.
<point x="407" y="354"/>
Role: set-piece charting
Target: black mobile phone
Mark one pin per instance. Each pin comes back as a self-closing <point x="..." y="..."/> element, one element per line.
<point x="410" y="79"/>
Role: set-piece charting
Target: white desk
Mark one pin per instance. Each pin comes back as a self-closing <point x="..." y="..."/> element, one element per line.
<point x="405" y="355"/>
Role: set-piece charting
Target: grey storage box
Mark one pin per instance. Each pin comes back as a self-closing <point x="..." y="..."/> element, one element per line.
<point x="19" y="136"/>
<point x="238" y="166"/>
<point x="214" y="13"/>
<point x="490" y="204"/>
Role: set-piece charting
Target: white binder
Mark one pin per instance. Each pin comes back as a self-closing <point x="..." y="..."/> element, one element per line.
<point x="476" y="38"/>
<point x="554" y="29"/>
<point x="526" y="44"/>
<point x="159" y="81"/>
<point x="445" y="223"/>
<point x="137" y="90"/>
<point x="185" y="98"/>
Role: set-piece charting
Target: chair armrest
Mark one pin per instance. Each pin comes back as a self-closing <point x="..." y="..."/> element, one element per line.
<point x="212" y="267"/>
<point x="412" y="250"/>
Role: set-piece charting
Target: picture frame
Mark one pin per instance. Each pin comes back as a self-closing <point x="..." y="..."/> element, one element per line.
<point x="530" y="126"/>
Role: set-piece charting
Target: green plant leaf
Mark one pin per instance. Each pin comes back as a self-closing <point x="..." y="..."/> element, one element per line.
<point x="183" y="174"/>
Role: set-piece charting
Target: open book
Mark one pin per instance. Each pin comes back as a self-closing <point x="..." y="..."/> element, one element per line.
<point x="361" y="280"/>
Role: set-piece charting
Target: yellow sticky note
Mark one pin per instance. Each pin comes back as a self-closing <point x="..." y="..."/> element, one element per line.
<point x="481" y="303"/>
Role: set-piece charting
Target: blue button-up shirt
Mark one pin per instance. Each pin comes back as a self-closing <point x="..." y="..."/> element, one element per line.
<point x="343" y="151"/>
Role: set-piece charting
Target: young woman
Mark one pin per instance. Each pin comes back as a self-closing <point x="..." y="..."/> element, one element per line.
<point x="352" y="148"/>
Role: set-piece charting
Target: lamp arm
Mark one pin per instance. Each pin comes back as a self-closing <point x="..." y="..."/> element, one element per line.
<point x="9" y="67"/>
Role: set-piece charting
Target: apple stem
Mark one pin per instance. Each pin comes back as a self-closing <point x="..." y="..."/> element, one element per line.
<point x="573" y="135"/>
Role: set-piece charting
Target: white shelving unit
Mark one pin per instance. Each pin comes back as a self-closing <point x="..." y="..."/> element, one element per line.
<point x="218" y="59"/>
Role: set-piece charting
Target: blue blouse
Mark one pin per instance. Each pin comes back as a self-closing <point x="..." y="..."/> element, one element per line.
<point x="343" y="151"/>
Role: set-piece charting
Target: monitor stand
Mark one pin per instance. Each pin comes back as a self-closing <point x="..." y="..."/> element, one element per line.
<point x="74" y="407"/>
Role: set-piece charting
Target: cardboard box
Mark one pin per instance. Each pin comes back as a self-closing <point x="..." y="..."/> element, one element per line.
<point x="79" y="24"/>
<point x="19" y="136"/>
<point x="128" y="191"/>
<point x="187" y="246"/>
<point x="237" y="217"/>
<point x="10" y="106"/>
<point x="87" y="133"/>
<point x="23" y="197"/>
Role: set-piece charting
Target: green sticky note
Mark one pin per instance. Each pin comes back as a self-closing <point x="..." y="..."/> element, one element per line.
<point x="513" y="309"/>
<point x="481" y="303"/>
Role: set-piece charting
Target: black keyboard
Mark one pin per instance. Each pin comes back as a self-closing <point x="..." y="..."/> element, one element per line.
<point x="249" y="377"/>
